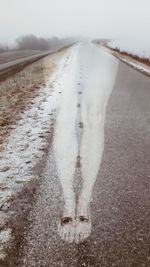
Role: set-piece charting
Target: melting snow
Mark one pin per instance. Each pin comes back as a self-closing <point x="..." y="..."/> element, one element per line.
<point x="24" y="147"/>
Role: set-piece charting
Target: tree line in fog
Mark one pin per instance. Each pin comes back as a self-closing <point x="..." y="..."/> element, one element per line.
<point x="32" y="42"/>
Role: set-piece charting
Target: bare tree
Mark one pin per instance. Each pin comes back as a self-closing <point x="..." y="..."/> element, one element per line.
<point x="32" y="42"/>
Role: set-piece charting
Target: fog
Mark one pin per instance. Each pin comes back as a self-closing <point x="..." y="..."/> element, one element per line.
<point x="90" y="18"/>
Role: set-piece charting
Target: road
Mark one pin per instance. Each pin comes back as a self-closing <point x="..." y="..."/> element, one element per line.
<point x="18" y="61"/>
<point x="9" y="68"/>
<point x="120" y="198"/>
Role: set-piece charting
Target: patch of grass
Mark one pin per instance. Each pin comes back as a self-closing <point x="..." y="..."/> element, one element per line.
<point x="17" y="93"/>
<point x="143" y="60"/>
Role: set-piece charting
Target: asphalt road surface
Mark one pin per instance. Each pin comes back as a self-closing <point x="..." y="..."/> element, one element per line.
<point x="120" y="208"/>
<point x="16" y="62"/>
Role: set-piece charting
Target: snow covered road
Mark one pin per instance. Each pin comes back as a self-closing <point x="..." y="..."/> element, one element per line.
<point x="61" y="228"/>
<point x="79" y="131"/>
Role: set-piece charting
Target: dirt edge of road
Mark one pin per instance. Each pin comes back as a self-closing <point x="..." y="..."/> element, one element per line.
<point x="16" y="94"/>
<point x="20" y="208"/>
<point x="21" y="203"/>
<point x="128" y="60"/>
<point x="10" y="72"/>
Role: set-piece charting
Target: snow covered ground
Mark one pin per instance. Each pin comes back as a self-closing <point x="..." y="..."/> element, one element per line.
<point x="25" y="146"/>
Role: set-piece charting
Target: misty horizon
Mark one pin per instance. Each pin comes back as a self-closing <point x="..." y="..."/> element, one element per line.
<point x="74" y="19"/>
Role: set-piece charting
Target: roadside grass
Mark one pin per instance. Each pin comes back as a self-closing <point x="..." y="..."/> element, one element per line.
<point x="143" y="60"/>
<point x="17" y="92"/>
<point x="12" y="55"/>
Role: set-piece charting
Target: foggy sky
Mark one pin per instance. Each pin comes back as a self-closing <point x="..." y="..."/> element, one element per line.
<point x="91" y="18"/>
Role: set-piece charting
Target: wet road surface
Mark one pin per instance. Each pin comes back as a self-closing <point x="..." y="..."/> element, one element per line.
<point x="14" y="62"/>
<point x="120" y="207"/>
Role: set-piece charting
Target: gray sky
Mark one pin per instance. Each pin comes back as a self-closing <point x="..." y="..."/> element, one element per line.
<point x="92" y="18"/>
